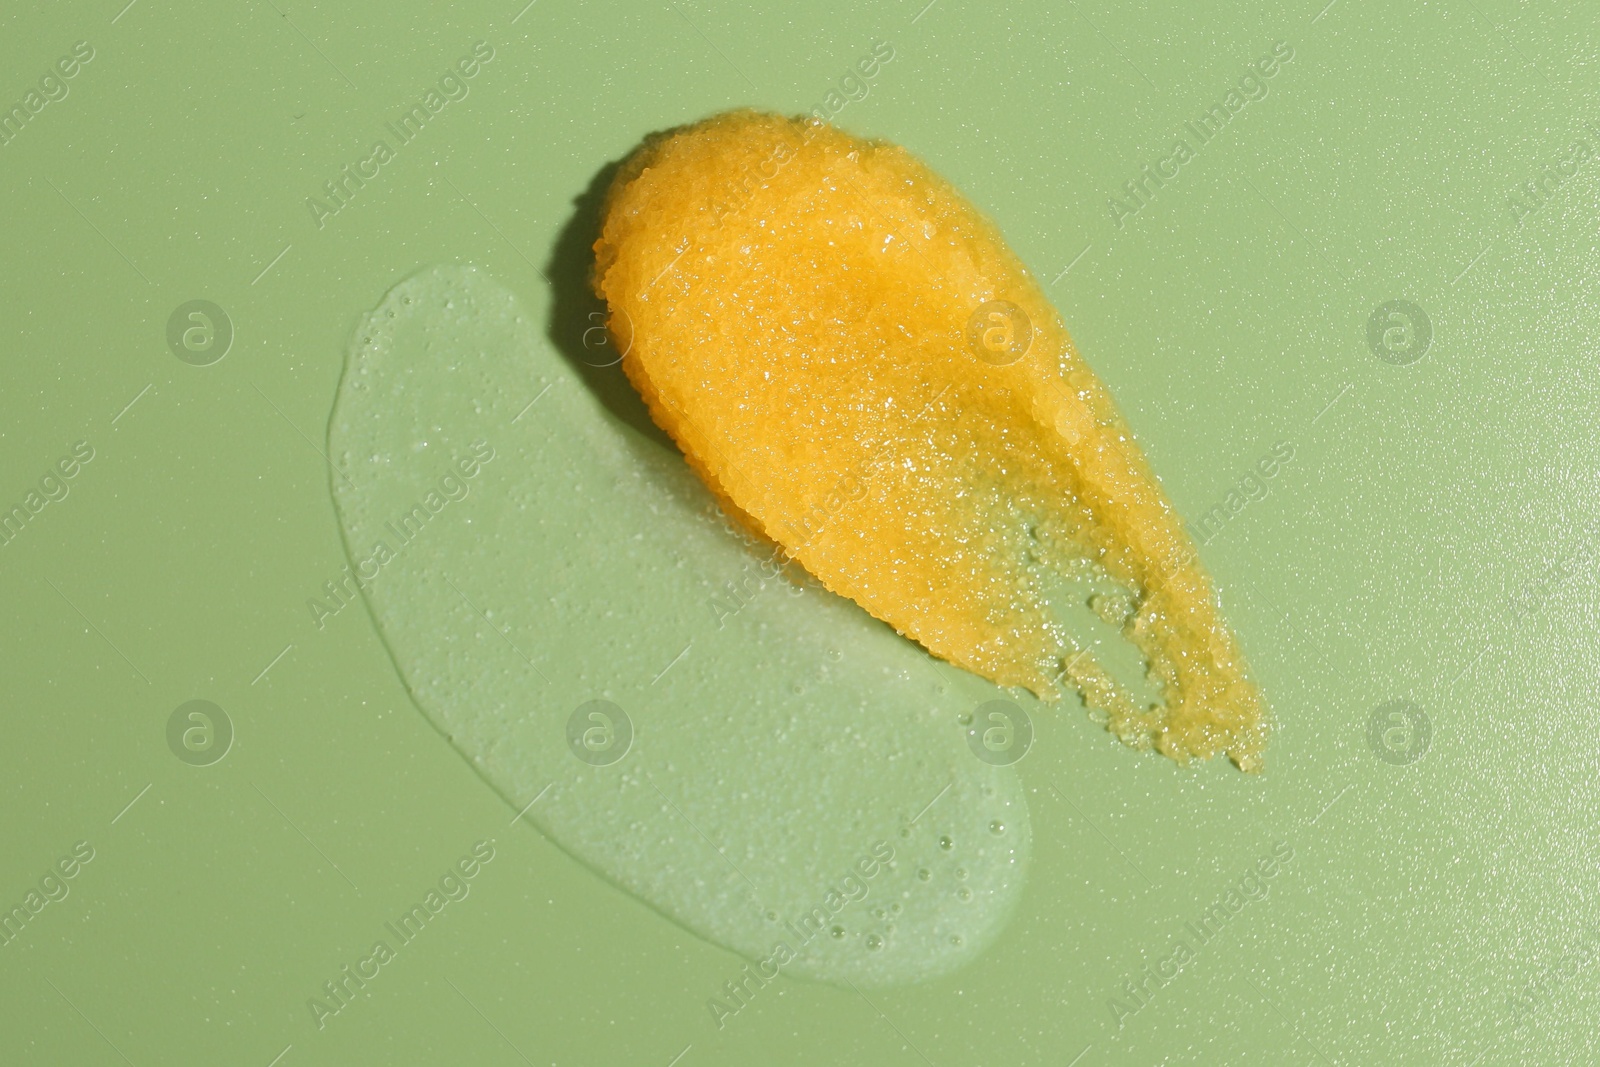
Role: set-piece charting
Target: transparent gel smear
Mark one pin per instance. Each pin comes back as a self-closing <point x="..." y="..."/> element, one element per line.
<point x="779" y="748"/>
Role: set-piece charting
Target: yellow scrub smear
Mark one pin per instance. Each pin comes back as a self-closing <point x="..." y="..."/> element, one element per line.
<point x="861" y="370"/>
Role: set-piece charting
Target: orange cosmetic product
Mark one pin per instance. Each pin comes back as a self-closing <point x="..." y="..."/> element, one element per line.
<point x="852" y="359"/>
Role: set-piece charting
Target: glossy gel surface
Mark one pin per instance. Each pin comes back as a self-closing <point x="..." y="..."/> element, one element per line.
<point x="732" y="776"/>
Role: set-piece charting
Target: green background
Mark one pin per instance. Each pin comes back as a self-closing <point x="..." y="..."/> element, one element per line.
<point x="1432" y="540"/>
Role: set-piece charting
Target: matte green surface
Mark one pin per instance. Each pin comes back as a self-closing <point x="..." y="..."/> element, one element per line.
<point x="1431" y="541"/>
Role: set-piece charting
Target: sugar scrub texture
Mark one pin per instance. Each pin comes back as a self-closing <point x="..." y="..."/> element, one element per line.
<point x="803" y="304"/>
